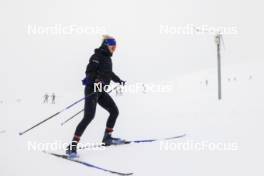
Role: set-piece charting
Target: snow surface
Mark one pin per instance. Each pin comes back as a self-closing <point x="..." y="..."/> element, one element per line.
<point x="191" y="108"/>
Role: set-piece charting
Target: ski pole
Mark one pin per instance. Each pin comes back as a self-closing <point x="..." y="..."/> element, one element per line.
<point x="54" y="115"/>
<point x="63" y="123"/>
<point x="57" y="113"/>
<point x="71" y="117"/>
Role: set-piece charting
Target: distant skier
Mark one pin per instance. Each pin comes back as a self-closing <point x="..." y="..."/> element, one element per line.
<point x="144" y="88"/>
<point x="99" y="70"/>
<point x="53" y="98"/>
<point x="206" y="83"/>
<point x="46" y="98"/>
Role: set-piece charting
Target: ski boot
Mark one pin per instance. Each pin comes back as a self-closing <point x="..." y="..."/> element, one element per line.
<point x="71" y="150"/>
<point x="109" y="140"/>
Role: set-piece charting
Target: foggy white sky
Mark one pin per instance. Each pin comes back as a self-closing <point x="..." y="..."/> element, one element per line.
<point x="54" y="63"/>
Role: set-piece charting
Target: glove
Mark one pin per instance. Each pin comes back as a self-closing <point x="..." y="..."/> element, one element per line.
<point x="121" y="82"/>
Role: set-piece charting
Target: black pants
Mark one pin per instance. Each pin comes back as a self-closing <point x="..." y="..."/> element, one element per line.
<point x="105" y="101"/>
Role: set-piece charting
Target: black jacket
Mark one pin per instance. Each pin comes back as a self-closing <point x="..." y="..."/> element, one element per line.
<point x="100" y="67"/>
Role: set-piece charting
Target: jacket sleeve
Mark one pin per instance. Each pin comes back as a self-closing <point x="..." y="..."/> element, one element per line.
<point x="92" y="66"/>
<point x="115" y="78"/>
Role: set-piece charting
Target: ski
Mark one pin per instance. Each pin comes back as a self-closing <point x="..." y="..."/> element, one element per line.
<point x="134" y="142"/>
<point x="66" y="157"/>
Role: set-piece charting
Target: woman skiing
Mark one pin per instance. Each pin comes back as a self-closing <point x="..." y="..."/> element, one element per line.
<point x="98" y="71"/>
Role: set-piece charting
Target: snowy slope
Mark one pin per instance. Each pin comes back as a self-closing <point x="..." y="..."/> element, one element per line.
<point x="33" y="64"/>
<point x="191" y="108"/>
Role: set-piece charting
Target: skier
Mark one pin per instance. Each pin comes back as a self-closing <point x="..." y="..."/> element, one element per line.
<point x="206" y="83"/>
<point x="46" y="98"/>
<point x="99" y="70"/>
<point x="53" y="97"/>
